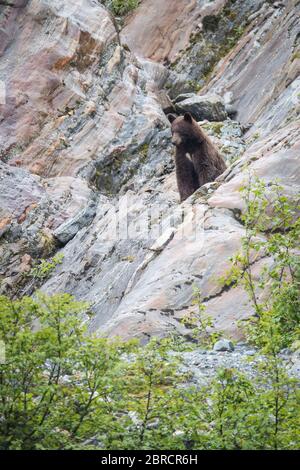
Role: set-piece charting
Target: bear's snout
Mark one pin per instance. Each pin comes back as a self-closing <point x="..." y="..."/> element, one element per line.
<point x="176" y="139"/>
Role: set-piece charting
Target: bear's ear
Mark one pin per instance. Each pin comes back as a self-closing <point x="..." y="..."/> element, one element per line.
<point x="188" y="117"/>
<point x="171" y="117"/>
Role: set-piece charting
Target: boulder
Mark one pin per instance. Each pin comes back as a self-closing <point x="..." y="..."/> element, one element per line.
<point x="210" y="107"/>
<point x="165" y="102"/>
<point x="65" y="232"/>
<point x="183" y="96"/>
<point x="223" y="345"/>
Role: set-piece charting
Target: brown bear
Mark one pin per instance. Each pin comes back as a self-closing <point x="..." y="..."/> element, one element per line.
<point x="197" y="160"/>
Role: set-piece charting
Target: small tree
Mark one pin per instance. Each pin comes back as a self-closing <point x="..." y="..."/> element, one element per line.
<point x="200" y="323"/>
<point x="55" y="384"/>
<point x="152" y="398"/>
<point x="121" y="7"/>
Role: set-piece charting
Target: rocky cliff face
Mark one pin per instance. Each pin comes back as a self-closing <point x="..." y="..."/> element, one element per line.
<point x="86" y="161"/>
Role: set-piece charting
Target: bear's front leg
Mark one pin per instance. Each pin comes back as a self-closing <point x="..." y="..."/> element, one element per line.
<point x="187" y="181"/>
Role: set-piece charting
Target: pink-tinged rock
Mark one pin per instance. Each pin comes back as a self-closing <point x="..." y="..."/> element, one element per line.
<point x="46" y="69"/>
<point x="273" y="157"/>
<point x="18" y="191"/>
<point x="161" y="36"/>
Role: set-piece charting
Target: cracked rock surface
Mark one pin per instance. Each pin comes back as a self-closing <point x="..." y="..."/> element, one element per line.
<point x="86" y="159"/>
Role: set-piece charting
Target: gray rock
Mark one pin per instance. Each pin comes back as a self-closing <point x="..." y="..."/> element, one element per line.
<point x="123" y="150"/>
<point x="19" y="190"/>
<point x="65" y="232"/>
<point x="228" y="137"/>
<point x="230" y="110"/>
<point x="210" y="107"/>
<point x="183" y="96"/>
<point x="223" y="345"/>
<point x="250" y="353"/>
<point x="295" y="369"/>
<point x="165" y="102"/>
<point x="208" y="44"/>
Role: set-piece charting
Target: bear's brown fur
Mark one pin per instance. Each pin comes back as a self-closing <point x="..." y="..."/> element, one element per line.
<point x="187" y="180"/>
<point x="197" y="160"/>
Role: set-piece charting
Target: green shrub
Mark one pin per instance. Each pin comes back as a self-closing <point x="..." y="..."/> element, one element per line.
<point x="43" y="268"/>
<point x="60" y="387"/>
<point x="272" y="233"/>
<point x="121" y="7"/>
<point x="200" y="323"/>
<point x="55" y="379"/>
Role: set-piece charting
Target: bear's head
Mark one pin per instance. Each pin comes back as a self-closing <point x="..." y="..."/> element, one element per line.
<point x="186" y="132"/>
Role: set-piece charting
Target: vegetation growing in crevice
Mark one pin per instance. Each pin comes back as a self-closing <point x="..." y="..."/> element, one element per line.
<point x="40" y="270"/>
<point x="43" y="268"/>
<point x="215" y="52"/>
<point x="118" y="168"/>
<point x="200" y="323"/>
<point x="121" y="7"/>
<point x="219" y="34"/>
